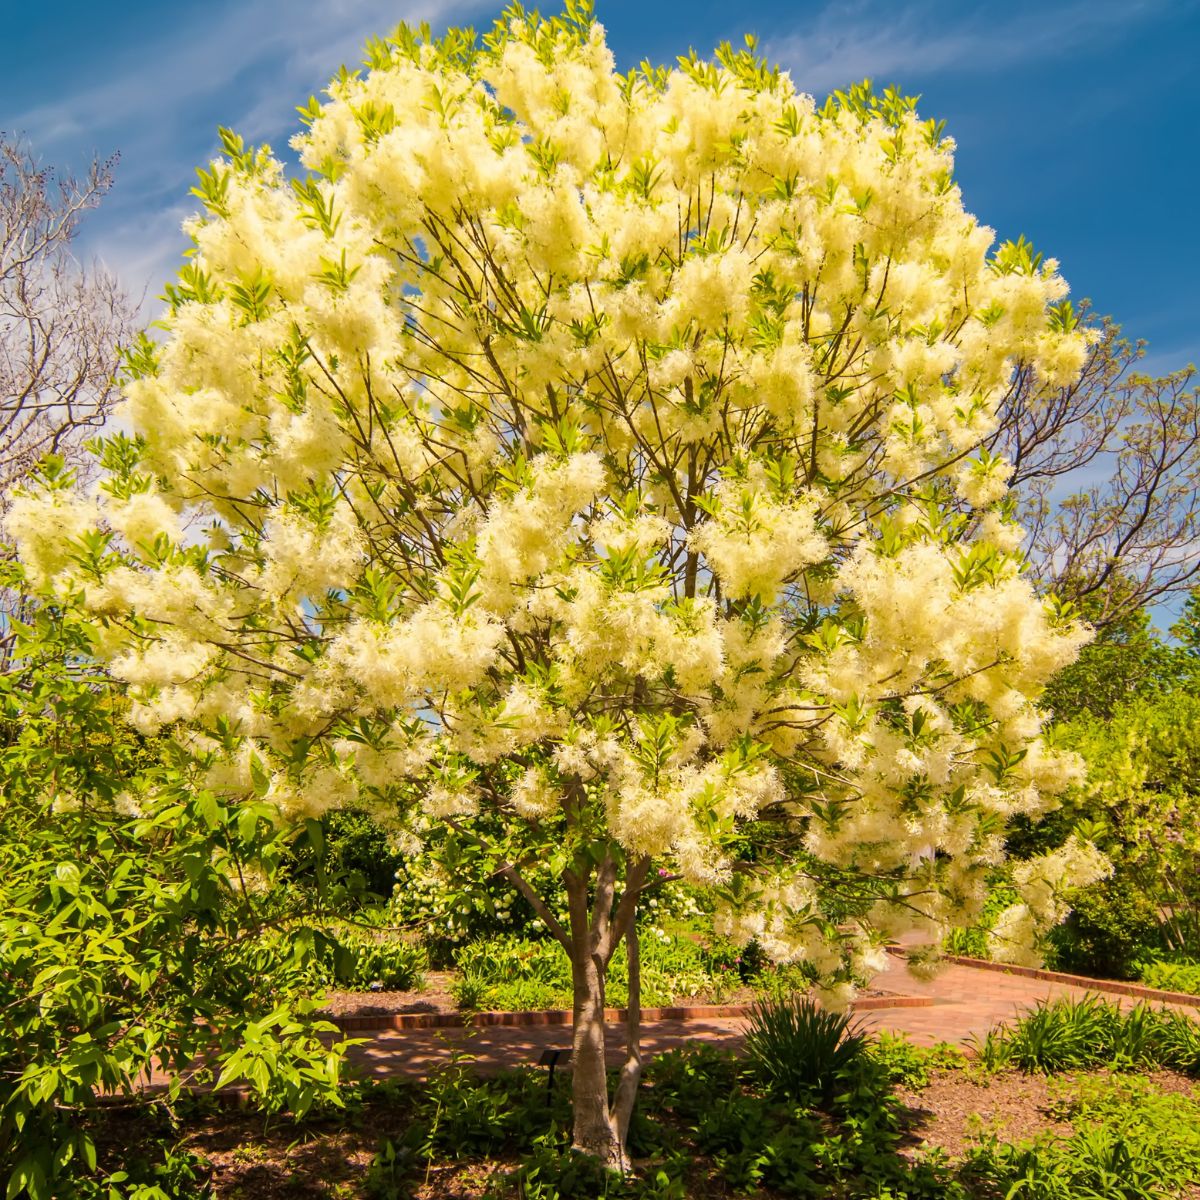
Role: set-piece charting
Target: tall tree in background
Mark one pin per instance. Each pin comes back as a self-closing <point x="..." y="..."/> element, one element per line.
<point x="1106" y="479"/>
<point x="596" y="464"/>
<point x="61" y="324"/>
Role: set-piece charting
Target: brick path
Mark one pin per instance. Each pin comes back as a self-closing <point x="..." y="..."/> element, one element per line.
<point x="967" y="1002"/>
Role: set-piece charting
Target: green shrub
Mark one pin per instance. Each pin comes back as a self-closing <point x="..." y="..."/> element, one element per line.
<point x="354" y="958"/>
<point x="688" y="1080"/>
<point x="459" y="1115"/>
<point x="128" y="937"/>
<point x="469" y="992"/>
<point x="552" y="1173"/>
<point x="514" y="973"/>
<point x="799" y="1051"/>
<point x="1111" y="928"/>
<point x="353" y="847"/>
<point x="387" y="1175"/>
<point x="972" y="940"/>
<point x="398" y="965"/>
<point x="910" y="1065"/>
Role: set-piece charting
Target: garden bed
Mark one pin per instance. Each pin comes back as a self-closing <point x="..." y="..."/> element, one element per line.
<point x="1078" y="1098"/>
<point x="341" y="1156"/>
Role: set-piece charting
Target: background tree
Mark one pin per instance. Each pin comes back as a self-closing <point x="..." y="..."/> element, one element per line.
<point x="596" y="465"/>
<point x="61" y="324"/>
<point x="1140" y="805"/>
<point x="1129" y="707"/>
<point x="1106" y="471"/>
<point x="1126" y="660"/>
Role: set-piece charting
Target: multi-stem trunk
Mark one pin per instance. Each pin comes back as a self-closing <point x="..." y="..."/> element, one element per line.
<point x="601" y="1124"/>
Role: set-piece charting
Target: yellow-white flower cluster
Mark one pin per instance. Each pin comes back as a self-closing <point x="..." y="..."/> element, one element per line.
<point x="622" y="431"/>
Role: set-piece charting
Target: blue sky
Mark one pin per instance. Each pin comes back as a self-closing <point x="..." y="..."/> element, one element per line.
<point x="1075" y="119"/>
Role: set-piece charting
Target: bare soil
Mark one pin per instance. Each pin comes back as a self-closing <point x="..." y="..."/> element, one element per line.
<point x="434" y="997"/>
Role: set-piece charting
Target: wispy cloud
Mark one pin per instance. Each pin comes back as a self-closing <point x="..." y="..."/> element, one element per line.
<point x="245" y="65"/>
<point x="249" y="51"/>
<point x="848" y="41"/>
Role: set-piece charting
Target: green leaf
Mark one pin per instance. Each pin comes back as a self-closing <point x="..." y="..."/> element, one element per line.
<point x="67" y="873"/>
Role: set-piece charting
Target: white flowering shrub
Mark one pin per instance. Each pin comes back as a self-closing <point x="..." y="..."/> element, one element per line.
<point x="596" y="456"/>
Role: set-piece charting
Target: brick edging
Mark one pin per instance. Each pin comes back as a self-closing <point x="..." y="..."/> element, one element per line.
<point x="1117" y="987"/>
<point x="374" y="1022"/>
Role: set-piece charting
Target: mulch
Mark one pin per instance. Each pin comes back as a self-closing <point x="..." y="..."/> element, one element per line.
<point x="434" y="997"/>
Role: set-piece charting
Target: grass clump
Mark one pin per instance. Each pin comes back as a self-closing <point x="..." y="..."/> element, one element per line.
<point x="799" y="1051"/>
<point x="1068" y="1034"/>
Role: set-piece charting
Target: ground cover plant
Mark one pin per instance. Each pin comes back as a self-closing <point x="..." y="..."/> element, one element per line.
<point x="1171" y="975"/>
<point x="713" y="1124"/>
<point x="1128" y="1141"/>
<point x="613" y="481"/>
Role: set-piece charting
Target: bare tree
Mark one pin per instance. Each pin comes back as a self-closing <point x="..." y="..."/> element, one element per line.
<point x="61" y="323"/>
<point x="1108" y="475"/>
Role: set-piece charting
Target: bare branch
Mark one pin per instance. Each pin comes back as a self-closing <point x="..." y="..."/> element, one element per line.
<point x="1107" y="472"/>
<point x="61" y="323"/>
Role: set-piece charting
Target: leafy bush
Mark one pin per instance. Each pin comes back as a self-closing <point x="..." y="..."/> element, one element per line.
<point x="357" y="958"/>
<point x="1140" y="800"/>
<point x="972" y="940"/>
<point x="451" y="889"/>
<point x="515" y="973"/>
<point x="512" y="973"/>
<point x="687" y="1081"/>
<point x="554" y="1173"/>
<point x="1112" y="926"/>
<point x="129" y="938"/>
<point x="767" y="1140"/>
<point x="353" y="847"/>
<point x="458" y="1115"/>
<point x="799" y="1051"/>
<point x="910" y="1065"/>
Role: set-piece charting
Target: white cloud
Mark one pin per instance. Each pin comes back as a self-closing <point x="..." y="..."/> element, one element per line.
<point x="849" y="41"/>
<point x="246" y="65"/>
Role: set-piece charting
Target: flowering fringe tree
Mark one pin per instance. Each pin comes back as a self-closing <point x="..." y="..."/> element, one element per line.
<point x="592" y="462"/>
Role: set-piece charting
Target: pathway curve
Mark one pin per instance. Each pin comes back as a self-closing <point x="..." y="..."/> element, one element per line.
<point x="967" y="1002"/>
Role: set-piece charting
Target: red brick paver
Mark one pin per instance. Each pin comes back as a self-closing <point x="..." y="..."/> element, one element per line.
<point x="967" y="1002"/>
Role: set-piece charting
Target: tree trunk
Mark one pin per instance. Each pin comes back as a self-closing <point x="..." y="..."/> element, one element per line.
<point x="631" y="1069"/>
<point x="594" y="1132"/>
<point x="600" y="1128"/>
